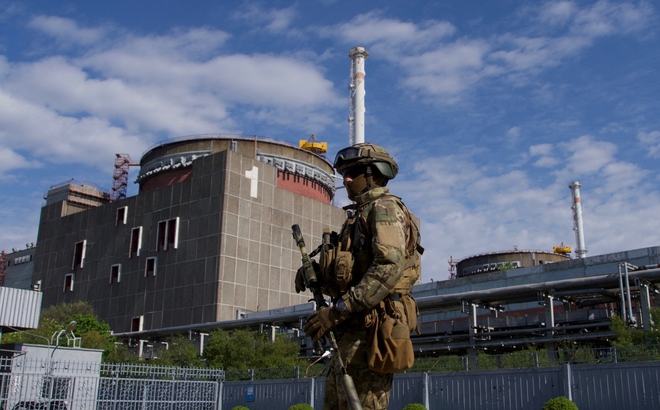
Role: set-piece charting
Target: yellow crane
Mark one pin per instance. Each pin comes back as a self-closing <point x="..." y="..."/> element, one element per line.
<point x="313" y="145"/>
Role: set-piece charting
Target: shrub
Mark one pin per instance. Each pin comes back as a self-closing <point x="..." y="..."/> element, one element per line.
<point x="240" y="408"/>
<point x="414" y="406"/>
<point x="559" y="403"/>
<point x="301" y="406"/>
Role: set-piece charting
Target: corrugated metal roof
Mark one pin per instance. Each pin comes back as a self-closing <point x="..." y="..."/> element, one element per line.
<point x="20" y="308"/>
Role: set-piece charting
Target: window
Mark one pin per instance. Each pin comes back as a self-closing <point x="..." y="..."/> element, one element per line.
<point x="173" y="232"/>
<point x="115" y="273"/>
<point x="79" y="254"/>
<point x="21" y="259"/>
<point x="136" y="324"/>
<point x="122" y="215"/>
<point x="68" y="283"/>
<point x="168" y="234"/>
<point x="136" y="242"/>
<point x="150" y="267"/>
<point x="162" y="229"/>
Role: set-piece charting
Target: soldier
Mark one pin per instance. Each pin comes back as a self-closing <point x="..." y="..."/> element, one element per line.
<point x="374" y="248"/>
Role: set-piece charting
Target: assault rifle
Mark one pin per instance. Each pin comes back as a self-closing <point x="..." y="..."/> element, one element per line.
<point x="312" y="283"/>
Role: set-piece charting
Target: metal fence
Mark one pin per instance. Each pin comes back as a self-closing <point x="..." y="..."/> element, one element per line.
<point x="32" y="385"/>
<point x="608" y="386"/>
<point x="44" y="383"/>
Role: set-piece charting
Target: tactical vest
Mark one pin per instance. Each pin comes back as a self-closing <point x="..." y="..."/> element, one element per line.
<point x="346" y="257"/>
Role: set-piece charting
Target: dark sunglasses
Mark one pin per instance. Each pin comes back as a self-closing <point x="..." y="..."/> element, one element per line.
<point x="353" y="172"/>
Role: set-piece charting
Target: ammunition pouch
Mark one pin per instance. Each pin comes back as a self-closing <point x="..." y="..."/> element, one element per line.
<point x="343" y="268"/>
<point x="389" y="348"/>
<point x="327" y="262"/>
<point x="409" y="306"/>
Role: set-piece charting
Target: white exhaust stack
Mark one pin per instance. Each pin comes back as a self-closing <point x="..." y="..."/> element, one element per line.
<point x="581" y="249"/>
<point x="356" y="95"/>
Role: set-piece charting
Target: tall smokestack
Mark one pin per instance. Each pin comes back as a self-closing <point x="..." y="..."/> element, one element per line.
<point x="356" y="95"/>
<point x="581" y="249"/>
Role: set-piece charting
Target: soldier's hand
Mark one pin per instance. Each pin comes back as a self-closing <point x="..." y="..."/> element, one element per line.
<point x="300" y="276"/>
<point x="319" y="322"/>
<point x="300" y="280"/>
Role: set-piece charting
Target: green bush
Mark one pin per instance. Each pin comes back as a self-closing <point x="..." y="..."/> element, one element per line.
<point x="559" y="403"/>
<point x="240" y="408"/>
<point x="301" y="406"/>
<point x="414" y="406"/>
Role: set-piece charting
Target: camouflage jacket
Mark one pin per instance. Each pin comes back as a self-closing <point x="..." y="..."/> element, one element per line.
<point x="379" y="246"/>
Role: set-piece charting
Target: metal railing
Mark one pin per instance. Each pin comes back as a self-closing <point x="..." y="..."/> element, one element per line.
<point x="160" y="372"/>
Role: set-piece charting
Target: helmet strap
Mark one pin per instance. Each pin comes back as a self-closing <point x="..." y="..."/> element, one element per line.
<point x="369" y="177"/>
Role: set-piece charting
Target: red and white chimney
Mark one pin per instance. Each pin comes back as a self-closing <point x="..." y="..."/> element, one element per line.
<point x="356" y="95"/>
<point x="581" y="249"/>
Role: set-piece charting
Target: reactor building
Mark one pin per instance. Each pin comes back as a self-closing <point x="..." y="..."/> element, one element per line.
<point x="505" y="260"/>
<point x="206" y="239"/>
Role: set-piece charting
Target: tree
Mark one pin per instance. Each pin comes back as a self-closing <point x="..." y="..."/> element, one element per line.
<point x="119" y="353"/>
<point x="559" y="403"/>
<point x="94" y="333"/>
<point x="634" y="342"/>
<point x="64" y="312"/>
<point x="245" y="349"/>
<point x="631" y="336"/>
<point x="180" y="352"/>
<point x="282" y="352"/>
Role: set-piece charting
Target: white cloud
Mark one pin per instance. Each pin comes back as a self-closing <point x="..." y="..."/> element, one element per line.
<point x="583" y="27"/>
<point x="447" y="70"/>
<point x="466" y="209"/>
<point x="607" y="18"/>
<point x="558" y="12"/>
<point x="10" y="160"/>
<point x="273" y="20"/>
<point x="45" y="135"/>
<point x="534" y="53"/>
<point x="124" y="91"/>
<point x="587" y="155"/>
<point x="68" y="90"/>
<point x="513" y="133"/>
<point x="623" y="175"/>
<point x="387" y="35"/>
<point x="651" y="142"/>
<point x="66" y="30"/>
<point x="444" y="68"/>
<point x="259" y="80"/>
<point x="544" y="152"/>
<point x="540" y="149"/>
<point x="546" y="162"/>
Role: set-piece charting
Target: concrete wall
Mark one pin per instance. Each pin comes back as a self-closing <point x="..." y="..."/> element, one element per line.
<point x="234" y="252"/>
<point x="20" y="265"/>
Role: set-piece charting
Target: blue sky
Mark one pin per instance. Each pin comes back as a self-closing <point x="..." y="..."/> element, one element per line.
<point x="491" y="109"/>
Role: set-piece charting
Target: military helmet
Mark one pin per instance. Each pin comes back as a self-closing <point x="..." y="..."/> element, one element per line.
<point x="366" y="153"/>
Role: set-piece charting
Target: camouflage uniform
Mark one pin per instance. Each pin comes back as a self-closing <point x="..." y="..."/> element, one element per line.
<point x="379" y="252"/>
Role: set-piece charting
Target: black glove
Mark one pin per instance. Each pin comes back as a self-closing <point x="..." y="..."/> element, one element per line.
<point x="319" y="322"/>
<point x="300" y="276"/>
